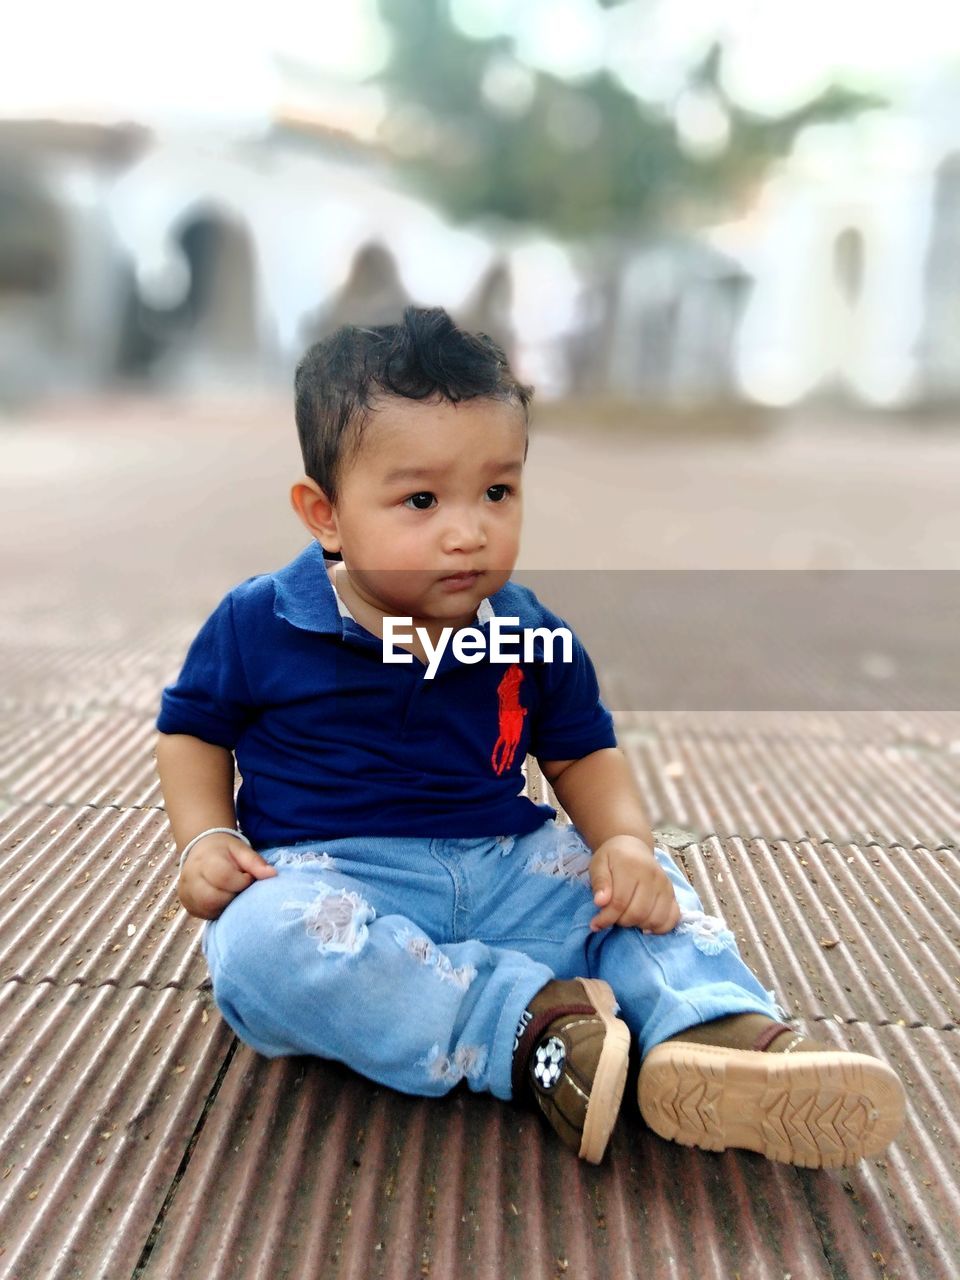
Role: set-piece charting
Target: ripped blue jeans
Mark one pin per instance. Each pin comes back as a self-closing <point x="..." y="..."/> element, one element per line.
<point x="412" y="960"/>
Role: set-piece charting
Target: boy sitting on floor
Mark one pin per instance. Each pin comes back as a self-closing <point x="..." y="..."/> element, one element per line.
<point x="384" y="894"/>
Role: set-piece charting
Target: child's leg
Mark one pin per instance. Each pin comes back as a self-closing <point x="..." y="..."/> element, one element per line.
<point x="325" y="959"/>
<point x="664" y="983"/>
<point x="750" y="1085"/>
<point x="322" y="960"/>
<point x="737" y="1079"/>
<point x="681" y="979"/>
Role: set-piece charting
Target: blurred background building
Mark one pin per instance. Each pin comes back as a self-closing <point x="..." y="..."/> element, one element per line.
<point x="673" y="204"/>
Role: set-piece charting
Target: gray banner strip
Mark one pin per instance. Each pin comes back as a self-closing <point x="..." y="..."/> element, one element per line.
<point x="765" y="640"/>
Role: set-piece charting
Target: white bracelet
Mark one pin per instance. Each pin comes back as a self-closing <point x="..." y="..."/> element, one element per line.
<point x="226" y="831"/>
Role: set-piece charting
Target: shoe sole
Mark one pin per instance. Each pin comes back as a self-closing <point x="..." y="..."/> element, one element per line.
<point x="822" y="1110"/>
<point x="606" y="1091"/>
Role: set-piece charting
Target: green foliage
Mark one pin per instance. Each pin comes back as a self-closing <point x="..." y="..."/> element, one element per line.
<point x="579" y="157"/>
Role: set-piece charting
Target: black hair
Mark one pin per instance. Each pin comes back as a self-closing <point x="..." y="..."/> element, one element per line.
<point x="424" y="356"/>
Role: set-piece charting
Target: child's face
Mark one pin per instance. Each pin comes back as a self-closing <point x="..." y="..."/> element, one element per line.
<point x="435" y="490"/>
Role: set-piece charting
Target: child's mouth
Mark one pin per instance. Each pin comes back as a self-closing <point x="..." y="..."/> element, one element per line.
<point x="459" y="581"/>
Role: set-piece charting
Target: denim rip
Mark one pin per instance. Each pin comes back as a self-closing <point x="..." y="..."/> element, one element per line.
<point x="568" y="858"/>
<point x="337" y="918"/>
<point x="709" y="933"/>
<point x="468" y="1062"/>
<point x="294" y="858"/>
<point x="422" y="949"/>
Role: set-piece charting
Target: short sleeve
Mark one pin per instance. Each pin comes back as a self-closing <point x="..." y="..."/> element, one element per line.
<point x="210" y="699"/>
<point x="571" y="719"/>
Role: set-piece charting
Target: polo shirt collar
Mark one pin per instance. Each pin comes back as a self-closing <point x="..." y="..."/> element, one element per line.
<point x="305" y="597"/>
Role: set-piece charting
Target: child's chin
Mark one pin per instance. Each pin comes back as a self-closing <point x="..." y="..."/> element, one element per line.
<point x="453" y="607"/>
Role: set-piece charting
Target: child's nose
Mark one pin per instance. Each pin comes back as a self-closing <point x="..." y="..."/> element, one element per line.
<point x="464" y="532"/>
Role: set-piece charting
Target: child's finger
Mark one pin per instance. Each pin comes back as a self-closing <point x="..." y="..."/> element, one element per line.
<point x="225" y="877"/>
<point x="212" y="887"/>
<point x="611" y="913"/>
<point x="665" y="914"/>
<point x="637" y="912"/>
<point x="601" y="880"/>
<point x="250" y="861"/>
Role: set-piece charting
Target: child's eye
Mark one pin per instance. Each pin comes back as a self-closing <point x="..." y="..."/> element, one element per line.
<point x="420" y="501"/>
<point x="497" y="492"/>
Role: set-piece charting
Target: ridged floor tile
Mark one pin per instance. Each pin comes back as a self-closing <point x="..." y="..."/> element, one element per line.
<point x="101" y="1091"/>
<point x="89" y="896"/>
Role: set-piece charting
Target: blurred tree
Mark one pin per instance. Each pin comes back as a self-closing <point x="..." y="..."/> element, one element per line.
<point x="484" y="135"/>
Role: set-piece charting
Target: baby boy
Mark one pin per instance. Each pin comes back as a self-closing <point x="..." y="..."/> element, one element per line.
<point x="383" y="893"/>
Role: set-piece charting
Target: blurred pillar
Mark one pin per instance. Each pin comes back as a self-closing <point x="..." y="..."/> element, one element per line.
<point x="210" y="336"/>
<point x="939" y="347"/>
<point x="487" y="310"/>
<point x="33" y="272"/>
<point x="373" y="294"/>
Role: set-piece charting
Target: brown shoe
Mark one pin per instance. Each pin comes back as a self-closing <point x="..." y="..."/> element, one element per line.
<point x="788" y="1098"/>
<point x="572" y="1052"/>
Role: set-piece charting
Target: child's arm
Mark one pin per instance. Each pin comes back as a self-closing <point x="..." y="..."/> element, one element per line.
<point x="197" y="782"/>
<point x="599" y="793"/>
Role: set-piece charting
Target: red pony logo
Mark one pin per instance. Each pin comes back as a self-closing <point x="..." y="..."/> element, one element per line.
<point x="511" y="720"/>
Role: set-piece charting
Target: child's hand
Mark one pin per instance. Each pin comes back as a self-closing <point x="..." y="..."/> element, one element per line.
<point x="631" y="887"/>
<point x="218" y="868"/>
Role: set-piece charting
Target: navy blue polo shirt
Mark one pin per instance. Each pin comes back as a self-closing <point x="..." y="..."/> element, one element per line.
<point x="332" y="741"/>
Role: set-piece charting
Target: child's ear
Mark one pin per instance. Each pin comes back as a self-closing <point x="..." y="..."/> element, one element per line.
<point x="316" y="512"/>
